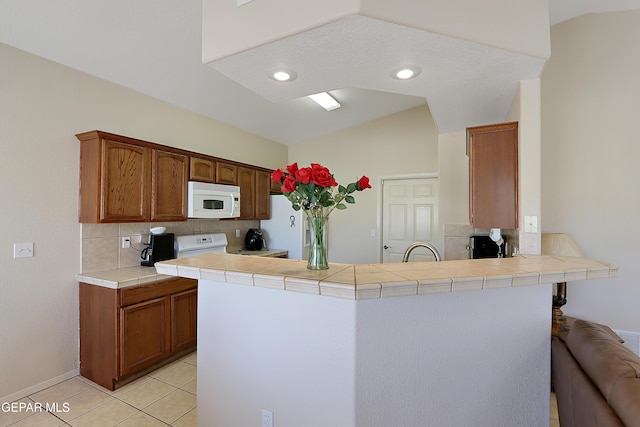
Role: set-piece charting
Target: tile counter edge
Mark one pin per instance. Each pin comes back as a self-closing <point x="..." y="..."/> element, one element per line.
<point x="371" y="281"/>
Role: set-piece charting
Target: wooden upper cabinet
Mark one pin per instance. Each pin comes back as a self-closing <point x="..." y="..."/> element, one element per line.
<point x="203" y="170"/>
<point x="169" y="186"/>
<point x="493" y="175"/>
<point x="226" y="173"/>
<point x="115" y="180"/>
<point x="262" y="191"/>
<point x="126" y="180"/>
<point x="275" y="187"/>
<point x="247" y="183"/>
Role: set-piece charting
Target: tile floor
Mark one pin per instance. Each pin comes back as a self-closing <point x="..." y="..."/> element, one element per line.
<point x="165" y="397"/>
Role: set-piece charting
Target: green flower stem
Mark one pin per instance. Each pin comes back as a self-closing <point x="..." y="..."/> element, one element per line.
<point x="317" y="249"/>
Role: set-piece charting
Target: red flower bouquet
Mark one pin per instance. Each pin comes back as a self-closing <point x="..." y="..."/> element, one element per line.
<point x="314" y="190"/>
<point x="314" y="187"/>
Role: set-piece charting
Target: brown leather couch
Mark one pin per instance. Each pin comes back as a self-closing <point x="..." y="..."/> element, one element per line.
<point x="595" y="377"/>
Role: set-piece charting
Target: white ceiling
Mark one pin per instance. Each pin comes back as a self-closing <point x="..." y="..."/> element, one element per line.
<point x="154" y="47"/>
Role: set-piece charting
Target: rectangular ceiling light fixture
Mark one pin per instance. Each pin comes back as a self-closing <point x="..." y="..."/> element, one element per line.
<point x="325" y="100"/>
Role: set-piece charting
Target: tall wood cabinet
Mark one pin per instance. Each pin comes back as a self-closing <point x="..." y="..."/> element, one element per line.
<point x="493" y="175"/>
<point x="126" y="332"/>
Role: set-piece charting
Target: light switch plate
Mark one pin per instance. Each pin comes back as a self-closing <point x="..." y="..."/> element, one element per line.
<point x="23" y="250"/>
<point x="531" y="224"/>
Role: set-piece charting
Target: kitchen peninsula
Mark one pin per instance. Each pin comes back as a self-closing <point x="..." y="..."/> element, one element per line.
<point x="413" y="344"/>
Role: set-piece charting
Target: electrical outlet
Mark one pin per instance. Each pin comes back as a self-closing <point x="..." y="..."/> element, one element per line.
<point x="267" y="418"/>
<point x="530" y="224"/>
<point x="126" y="242"/>
<point x="237" y="233"/>
<point x="23" y="250"/>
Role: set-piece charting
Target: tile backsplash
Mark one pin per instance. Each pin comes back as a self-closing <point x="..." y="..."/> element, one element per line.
<point x="102" y="243"/>
<point x="456" y="240"/>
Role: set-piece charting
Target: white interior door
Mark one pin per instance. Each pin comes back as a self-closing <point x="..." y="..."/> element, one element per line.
<point x="409" y="214"/>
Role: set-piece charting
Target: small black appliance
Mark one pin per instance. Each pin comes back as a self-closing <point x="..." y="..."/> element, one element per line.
<point x="254" y="241"/>
<point x="160" y="248"/>
<point x="484" y="247"/>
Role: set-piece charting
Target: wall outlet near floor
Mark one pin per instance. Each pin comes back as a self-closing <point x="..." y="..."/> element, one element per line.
<point x="267" y="418"/>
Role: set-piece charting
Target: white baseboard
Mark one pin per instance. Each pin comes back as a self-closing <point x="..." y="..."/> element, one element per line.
<point x="38" y="387"/>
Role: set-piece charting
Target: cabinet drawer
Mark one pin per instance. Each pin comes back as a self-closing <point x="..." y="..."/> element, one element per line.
<point x="148" y="291"/>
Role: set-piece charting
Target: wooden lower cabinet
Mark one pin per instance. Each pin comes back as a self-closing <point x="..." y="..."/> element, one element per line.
<point x="125" y="333"/>
<point x="144" y="335"/>
<point x="184" y="312"/>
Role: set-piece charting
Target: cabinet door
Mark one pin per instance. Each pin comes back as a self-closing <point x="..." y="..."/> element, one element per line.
<point x="226" y="173"/>
<point x="203" y="170"/>
<point x="144" y="335"/>
<point x="184" y="319"/>
<point x="169" y="186"/>
<point x="246" y="181"/>
<point x="126" y="174"/>
<point x="493" y="176"/>
<point x="275" y="187"/>
<point x="263" y="189"/>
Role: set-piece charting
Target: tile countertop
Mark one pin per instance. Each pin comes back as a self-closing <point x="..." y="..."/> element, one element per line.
<point x="122" y="277"/>
<point x="138" y="275"/>
<point x="369" y="281"/>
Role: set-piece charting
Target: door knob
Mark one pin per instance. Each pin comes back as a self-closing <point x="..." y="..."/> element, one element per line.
<point x="386" y="247"/>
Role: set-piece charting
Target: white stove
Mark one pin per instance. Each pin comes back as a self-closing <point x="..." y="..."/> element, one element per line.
<point x="198" y="244"/>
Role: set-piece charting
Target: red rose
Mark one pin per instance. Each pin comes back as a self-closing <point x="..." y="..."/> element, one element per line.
<point x="321" y="176"/>
<point x="292" y="168"/>
<point x="289" y="184"/>
<point x="304" y="175"/>
<point x="363" y="183"/>
<point x="277" y="175"/>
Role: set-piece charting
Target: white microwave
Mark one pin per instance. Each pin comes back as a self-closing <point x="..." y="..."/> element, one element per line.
<point x="212" y="200"/>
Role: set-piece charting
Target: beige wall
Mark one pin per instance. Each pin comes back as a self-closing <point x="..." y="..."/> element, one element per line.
<point x="399" y="144"/>
<point x="42" y="106"/>
<point x="590" y="152"/>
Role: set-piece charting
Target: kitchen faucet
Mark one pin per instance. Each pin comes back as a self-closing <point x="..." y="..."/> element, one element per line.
<point x="429" y="246"/>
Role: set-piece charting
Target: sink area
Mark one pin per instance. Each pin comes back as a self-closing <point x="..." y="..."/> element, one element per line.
<point x="425" y="245"/>
<point x="274" y="253"/>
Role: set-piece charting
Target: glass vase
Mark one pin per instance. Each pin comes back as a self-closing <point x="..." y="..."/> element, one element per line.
<point x="317" y="241"/>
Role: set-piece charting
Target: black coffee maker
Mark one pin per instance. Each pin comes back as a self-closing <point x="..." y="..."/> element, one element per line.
<point x="254" y="241"/>
<point x="160" y="248"/>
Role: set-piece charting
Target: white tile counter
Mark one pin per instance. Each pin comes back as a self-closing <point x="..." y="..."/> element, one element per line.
<point x="367" y="281"/>
<point x="122" y="277"/>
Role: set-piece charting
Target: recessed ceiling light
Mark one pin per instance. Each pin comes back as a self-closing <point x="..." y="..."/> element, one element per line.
<point x="406" y="73"/>
<point x="325" y="100"/>
<point x="282" y="75"/>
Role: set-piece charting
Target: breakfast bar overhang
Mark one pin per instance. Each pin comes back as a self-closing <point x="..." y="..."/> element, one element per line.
<point x="452" y="343"/>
